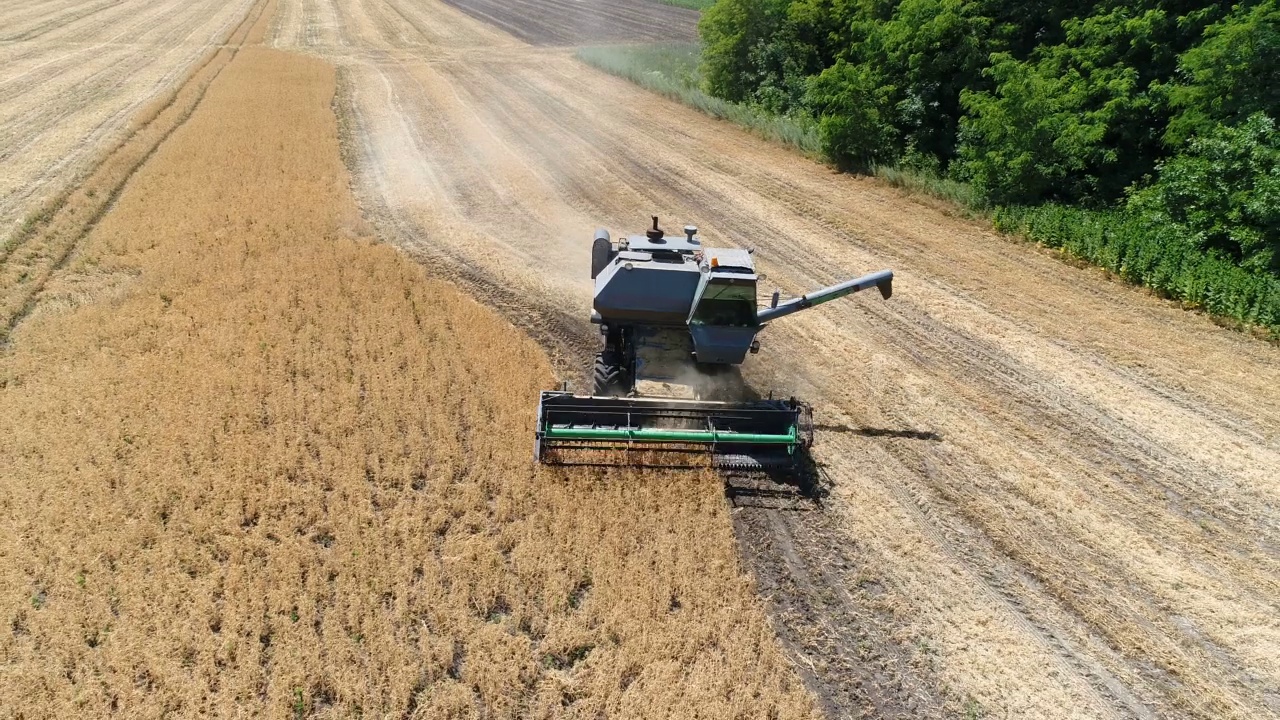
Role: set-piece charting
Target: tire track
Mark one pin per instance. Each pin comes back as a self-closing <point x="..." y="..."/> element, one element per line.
<point x="27" y="268"/>
<point x="60" y="22"/>
<point x="1157" y="466"/>
<point x="74" y="95"/>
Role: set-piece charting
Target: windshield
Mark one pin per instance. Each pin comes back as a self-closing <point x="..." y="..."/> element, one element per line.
<point x="725" y="303"/>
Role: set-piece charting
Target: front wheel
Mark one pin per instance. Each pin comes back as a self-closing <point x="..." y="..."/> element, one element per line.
<point x="607" y="375"/>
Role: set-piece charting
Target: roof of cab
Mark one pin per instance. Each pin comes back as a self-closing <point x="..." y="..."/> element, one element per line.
<point x="725" y="258"/>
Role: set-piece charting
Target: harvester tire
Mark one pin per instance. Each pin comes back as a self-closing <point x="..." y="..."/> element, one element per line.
<point x="607" y="376"/>
<point x="601" y="254"/>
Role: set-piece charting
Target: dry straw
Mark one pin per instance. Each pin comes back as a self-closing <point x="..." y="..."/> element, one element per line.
<point x="255" y="467"/>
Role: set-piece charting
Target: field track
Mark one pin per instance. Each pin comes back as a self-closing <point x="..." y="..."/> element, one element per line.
<point x="1055" y="492"/>
<point x="72" y="75"/>
<point x="31" y="257"/>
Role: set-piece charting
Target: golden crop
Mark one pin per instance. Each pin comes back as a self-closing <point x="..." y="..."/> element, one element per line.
<point x="253" y="466"/>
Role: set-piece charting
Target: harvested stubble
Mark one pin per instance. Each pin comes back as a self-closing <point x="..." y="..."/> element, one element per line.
<point x="253" y="466"/>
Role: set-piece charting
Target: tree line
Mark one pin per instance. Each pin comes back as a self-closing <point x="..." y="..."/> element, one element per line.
<point x="1153" y="117"/>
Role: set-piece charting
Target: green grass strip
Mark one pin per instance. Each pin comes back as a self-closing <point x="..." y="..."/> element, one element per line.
<point x="671" y="70"/>
<point x="691" y="4"/>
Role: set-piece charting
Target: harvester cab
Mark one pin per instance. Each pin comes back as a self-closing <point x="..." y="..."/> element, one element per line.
<point x="673" y="316"/>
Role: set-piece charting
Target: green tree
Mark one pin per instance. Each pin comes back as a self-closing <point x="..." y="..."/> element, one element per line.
<point x="854" y="110"/>
<point x="1233" y="74"/>
<point x="1080" y="121"/>
<point x="1224" y="191"/>
<point x="932" y="50"/>
<point x="731" y="31"/>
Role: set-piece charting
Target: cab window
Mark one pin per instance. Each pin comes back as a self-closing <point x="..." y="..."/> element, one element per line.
<point x="725" y="303"/>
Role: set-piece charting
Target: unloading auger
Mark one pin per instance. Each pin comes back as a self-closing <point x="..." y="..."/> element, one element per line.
<point x="674" y="316"/>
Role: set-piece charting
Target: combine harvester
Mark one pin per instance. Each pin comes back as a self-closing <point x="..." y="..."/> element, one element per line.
<point x="676" y="319"/>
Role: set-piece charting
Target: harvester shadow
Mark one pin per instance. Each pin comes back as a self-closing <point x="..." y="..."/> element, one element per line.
<point x="880" y="432"/>
<point x="802" y="487"/>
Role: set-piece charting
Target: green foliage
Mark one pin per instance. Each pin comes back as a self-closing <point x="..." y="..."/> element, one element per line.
<point x="1157" y="255"/>
<point x="731" y="30"/>
<point x="1063" y="100"/>
<point x="1233" y="74"/>
<point x="854" y="116"/>
<point x="1048" y="132"/>
<point x="1225" y="192"/>
<point x="938" y="48"/>
<point x="1078" y="122"/>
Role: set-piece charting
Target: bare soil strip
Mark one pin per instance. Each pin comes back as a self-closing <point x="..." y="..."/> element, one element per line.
<point x="258" y="467"/>
<point x="1063" y="488"/>
<point x="567" y="22"/>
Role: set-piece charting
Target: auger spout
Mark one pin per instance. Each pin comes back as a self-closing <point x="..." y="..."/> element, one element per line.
<point x="882" y="280"/>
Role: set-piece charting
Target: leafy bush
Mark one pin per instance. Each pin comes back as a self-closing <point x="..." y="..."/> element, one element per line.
<point x="731" y="30"/>
<point x="854" y="117"/>
<point x="1233" y="74"/>
<point x="1225" y="192"/>
<point x="1160" y="255"/>
<point x="1079" y="121"/>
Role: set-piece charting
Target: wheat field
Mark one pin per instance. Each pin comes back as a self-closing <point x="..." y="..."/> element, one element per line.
<point x="255" y="465"/>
